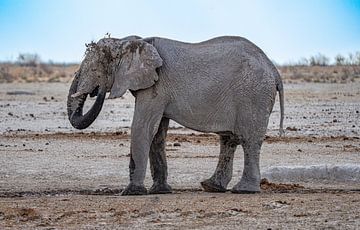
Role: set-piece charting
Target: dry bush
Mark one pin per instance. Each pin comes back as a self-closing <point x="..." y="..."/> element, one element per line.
<point x="39" y="73"/>
<point x="320" y="74"/>
<point x="10" y="72"/>
<point x="5" y="75"/>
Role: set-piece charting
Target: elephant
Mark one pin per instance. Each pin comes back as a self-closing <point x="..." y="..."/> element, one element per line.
<point x="225" y="85"/>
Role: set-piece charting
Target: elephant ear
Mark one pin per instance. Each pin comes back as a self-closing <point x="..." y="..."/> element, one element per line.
<point x="137" y="70"/>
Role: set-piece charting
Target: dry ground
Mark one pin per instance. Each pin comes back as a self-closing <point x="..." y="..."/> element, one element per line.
<point x="184" y="210"/>
<point x="52" y="176"/>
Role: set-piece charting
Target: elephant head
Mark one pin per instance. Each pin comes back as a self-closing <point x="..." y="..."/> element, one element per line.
<point x="111" y="65"/>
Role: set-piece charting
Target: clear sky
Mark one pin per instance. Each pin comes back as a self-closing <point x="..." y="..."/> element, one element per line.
<point x="286" y="30"/>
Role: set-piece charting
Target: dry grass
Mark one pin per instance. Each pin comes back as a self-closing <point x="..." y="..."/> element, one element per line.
<point x="290" y="74"/>
<point x="320" y="74"/>
<point x="39" y="73"/>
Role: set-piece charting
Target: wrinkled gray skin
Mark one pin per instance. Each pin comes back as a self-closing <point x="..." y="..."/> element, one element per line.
<point x="225" y="85"/>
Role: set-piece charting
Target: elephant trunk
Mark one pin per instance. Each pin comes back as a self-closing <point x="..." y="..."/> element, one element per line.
<point x="75" y="106"/>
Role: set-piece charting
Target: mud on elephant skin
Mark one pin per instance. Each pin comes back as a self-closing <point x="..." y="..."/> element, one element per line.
<point x="225" y="85"/>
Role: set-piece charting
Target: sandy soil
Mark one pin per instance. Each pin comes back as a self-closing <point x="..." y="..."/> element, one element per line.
<point x="52" y="176"/>
<point x="184" y="210"/>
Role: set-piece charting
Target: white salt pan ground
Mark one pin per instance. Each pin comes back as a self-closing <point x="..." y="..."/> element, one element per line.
<point x="298" y="174"/>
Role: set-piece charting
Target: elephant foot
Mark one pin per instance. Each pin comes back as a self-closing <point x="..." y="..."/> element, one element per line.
<point x="132" y="189"/>
<point x="246" y="188"/>
<point x="160" y="188"/>
<point x="210" y="186"/>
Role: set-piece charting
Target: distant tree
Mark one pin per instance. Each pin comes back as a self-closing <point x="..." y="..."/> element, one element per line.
<point x="357" y="58"/>
<point x="322" y="60"/>
<point x="319" y="60"/>
<point x="303" y="62"/>
<point x="28" y="59"/>
<point x="339" y="59"/>
<point x="350" y="60"/>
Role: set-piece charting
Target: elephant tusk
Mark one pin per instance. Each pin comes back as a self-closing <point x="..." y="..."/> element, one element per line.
<point x="76" y="94"/>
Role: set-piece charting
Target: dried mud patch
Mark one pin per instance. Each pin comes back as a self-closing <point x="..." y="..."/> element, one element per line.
<point x="184" y="210"/>
<point x="267" y="187"/>
<point x="202" y="139"/>
<point x="309" y="139"/>
<point x="279" y="187"/>
<point x="197" y="139"/>
<point x="19" y="214"/>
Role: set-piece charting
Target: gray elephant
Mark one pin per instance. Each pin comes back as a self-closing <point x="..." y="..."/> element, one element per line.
<point x="225" y="85"/>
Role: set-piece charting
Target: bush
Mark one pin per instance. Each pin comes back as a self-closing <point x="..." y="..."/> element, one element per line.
<point x="319" y="60"/>
<point x="339" y="60"/>
<point x="357" y="58"/>
<point x="303" y="62"/>
<point x="27" y="59"/>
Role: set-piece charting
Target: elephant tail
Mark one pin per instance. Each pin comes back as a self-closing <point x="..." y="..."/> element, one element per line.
<point x="280" y="89"/>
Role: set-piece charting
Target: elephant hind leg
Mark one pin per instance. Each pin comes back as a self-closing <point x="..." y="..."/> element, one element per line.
<point x="158" y="164"/>
<point x="250" y="180"/>
<point x="223" y="173"/>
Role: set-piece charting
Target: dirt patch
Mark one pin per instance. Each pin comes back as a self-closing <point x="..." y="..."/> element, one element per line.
<point x="278" y="187"/>
<point x="19" y="214"/>
<point x="197" y="139"/>
<point x="184" y="210"/>
<point x="294" y="139"/>
<point x="202" y="139"/>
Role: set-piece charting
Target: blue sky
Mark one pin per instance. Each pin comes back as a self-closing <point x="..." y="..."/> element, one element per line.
<point x="285" y="30"/>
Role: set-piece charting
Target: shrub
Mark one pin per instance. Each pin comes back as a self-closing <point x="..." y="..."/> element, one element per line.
<point x="319" y="60"/>
<point x="339" y="60"/>
<point x="28" y="59"/>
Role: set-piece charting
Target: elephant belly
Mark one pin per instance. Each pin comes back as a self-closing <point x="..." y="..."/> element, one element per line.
<point x="208" y="119"/>
<point x="237" y="113"/>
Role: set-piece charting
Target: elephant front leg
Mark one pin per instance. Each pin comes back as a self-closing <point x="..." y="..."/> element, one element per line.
<point x="158" y="164"/>
<point x="223" y="173"/>
<point x="143" y="130"/>
<point x="137" y="176"/>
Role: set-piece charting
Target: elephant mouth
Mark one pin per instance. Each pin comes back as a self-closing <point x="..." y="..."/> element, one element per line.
<point x="75" y="105"/>
<point x="95" y="92"/>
